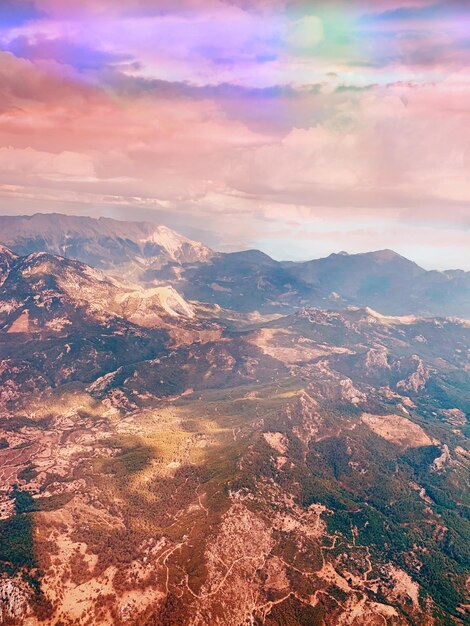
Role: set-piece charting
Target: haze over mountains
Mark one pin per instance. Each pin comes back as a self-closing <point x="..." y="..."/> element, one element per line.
<point x="243" y="281"/>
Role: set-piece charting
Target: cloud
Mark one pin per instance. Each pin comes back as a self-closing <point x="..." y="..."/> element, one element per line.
<point x="245" y="122"/>
<point x="63" y="51"/>
<point x="305" y="33"/>
<point x="14" y="13"/>
<point x="27" y="163"/>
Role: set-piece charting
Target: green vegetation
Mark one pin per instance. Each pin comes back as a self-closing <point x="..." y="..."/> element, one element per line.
<point x="132" y="457"/>
<point x="28" y="473"/>
<point x="390" y="517"/>
<point x="52" y="503"/>
<point x="16" y="533"/>
<point x="129" y="462"/>
<point x="16" y="539"/>
<point x="24" y="501"/>
<point x="16" y="544"/>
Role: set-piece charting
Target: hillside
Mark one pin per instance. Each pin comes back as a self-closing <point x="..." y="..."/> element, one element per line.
<point x="243" y="281"/>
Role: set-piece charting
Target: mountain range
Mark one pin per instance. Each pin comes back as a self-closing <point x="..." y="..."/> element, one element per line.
<point x="185" y="439"/>
<point x="103" y="243"/>
<point x="242" y="281"/>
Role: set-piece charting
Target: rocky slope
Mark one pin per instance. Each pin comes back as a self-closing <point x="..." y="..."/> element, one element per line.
<point x="243" y="281"/>
<point x="161" y="467"/>
<point x="63" y="321"/>
<point x="7" y="258"/>
<point x="42" y="292"/>
<point x="383" y="280"/>
<point x="128" y="248"/>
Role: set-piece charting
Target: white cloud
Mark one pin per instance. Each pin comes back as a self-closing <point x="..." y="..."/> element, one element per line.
<point x="28" y="162"/>
<point x="305" y="33"/>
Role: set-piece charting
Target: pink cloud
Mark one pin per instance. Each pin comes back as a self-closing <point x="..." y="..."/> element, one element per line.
<point x="219" y="110"/>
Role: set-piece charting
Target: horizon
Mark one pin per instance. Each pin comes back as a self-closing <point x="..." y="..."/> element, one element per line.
<point x="280" y="260"/>
<point x="278" y="126"/>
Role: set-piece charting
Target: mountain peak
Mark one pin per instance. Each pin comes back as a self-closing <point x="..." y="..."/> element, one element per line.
<point x="382" y="256"/>
<point x="387" y="255"/>
<point x="129" y="247"/>
<point x="253" y="255"/>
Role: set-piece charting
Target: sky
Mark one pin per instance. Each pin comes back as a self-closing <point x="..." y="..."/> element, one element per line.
<point x="299" y="128"/>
